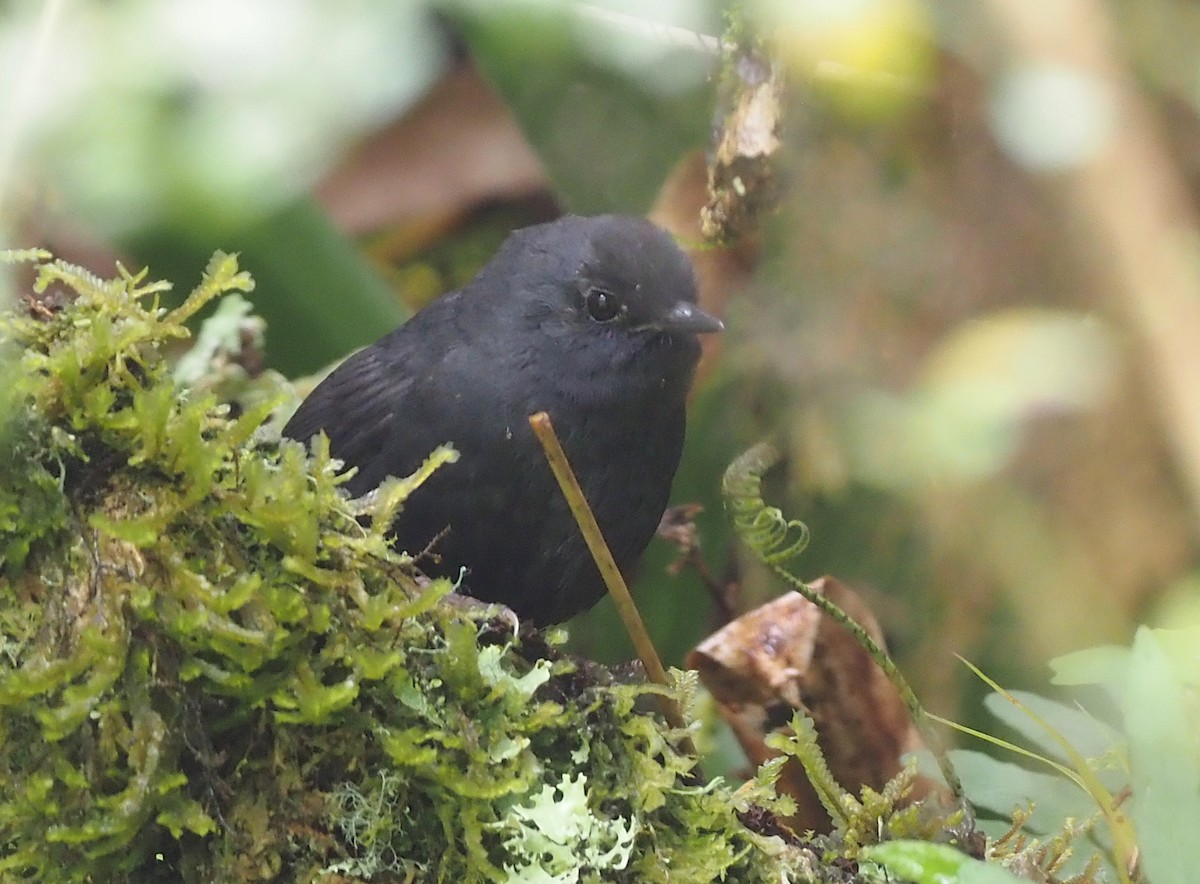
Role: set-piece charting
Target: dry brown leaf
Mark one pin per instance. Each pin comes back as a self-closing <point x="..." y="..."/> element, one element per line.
<point x="787" y="655"/>
<point x="457" y="148"/>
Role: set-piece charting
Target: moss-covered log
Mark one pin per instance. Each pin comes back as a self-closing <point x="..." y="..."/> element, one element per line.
<point x="213" y="666"/>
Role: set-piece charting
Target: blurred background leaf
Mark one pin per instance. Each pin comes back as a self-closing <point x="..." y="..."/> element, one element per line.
<point x="619" y="95"/>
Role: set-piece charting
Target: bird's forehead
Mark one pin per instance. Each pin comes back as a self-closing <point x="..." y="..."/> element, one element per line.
<point x="637" y="257"/>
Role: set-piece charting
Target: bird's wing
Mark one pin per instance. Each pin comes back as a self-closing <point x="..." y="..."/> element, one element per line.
<point x="362" y="406"/>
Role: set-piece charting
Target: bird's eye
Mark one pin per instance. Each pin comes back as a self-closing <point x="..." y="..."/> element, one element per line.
<point x="603" y="306"/>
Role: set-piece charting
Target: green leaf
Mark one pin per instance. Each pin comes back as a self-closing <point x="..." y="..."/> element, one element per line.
<point x="319" y="295"/>
<point x="925" y="863"/>
<point x="609" y="108"/>
<point x="1099" y="665"/>
<point x="1001" y="786"/>
<point x="1165" y="762"/>
<point x="1091" y="737"/>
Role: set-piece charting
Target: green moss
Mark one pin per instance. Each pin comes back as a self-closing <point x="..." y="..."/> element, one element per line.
<point x="213" y="665"/>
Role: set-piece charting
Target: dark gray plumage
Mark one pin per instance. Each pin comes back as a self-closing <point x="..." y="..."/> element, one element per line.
<point x="590" y="319"/>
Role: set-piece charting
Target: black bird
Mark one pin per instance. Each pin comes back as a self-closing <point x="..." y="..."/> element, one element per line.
<point x="593" y="320"/>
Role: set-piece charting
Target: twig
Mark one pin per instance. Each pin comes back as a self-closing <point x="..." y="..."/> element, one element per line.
<point x="678" y="528"/>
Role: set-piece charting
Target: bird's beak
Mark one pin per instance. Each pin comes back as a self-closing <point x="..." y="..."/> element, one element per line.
<point x="687" y="317"/>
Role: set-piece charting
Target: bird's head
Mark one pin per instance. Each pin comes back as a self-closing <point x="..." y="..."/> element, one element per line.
<point x="611" y="292"/>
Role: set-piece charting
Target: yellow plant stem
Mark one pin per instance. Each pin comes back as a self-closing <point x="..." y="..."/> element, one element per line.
<point x="1119" y="824"/>
<point x="544" y="430"/>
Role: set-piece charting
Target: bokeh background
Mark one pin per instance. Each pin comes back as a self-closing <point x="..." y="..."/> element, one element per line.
<point x="969" y="301"/>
